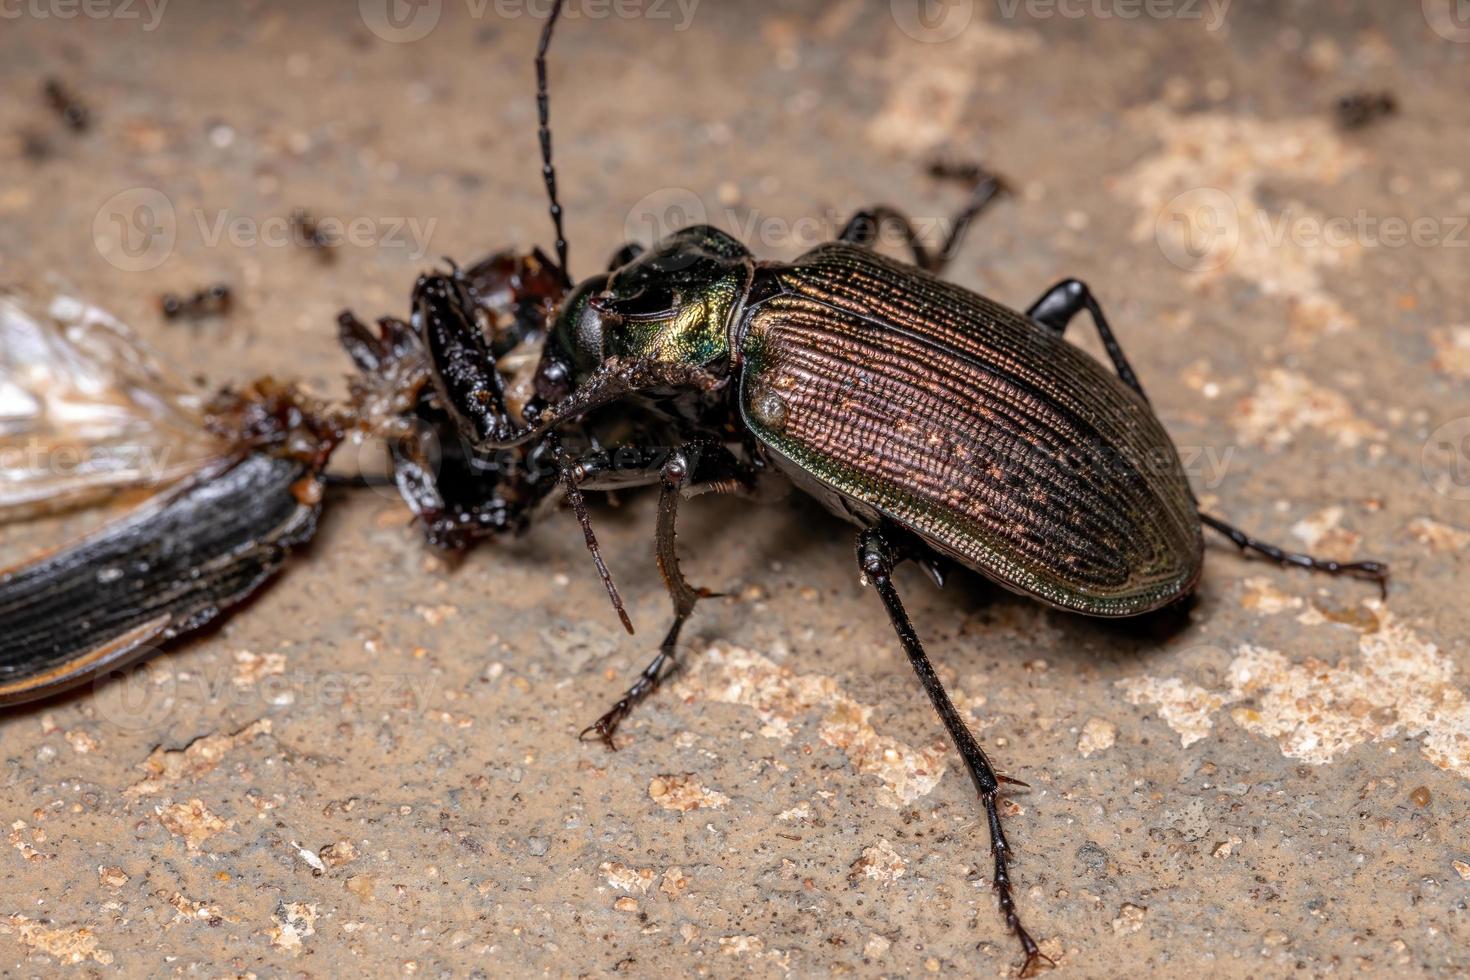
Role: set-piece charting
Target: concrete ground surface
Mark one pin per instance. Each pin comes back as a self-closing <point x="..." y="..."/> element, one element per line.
<point x="373" y="768"/>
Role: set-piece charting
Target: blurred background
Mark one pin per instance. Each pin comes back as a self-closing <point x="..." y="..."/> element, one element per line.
<point x="1270" y="199"/>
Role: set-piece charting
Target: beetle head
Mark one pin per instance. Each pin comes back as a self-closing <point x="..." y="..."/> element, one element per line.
<point x="671" y="303"/>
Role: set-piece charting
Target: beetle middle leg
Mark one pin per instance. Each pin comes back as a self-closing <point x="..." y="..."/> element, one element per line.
<point x="876" y="559"/>
<point x="864" y="227"/>
<point x="704" y="463"/>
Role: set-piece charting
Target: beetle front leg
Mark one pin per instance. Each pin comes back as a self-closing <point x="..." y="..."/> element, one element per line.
<point x="876" y="559"/>
<point x="707" y="464"/>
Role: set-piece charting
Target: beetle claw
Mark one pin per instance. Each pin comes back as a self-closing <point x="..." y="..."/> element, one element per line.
<point x="1034" y="959"/>
<point x="605" y="726"/>
<point x="604" y="731"/>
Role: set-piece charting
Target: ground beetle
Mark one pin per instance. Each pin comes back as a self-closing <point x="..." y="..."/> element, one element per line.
<point x="947" y="427"/>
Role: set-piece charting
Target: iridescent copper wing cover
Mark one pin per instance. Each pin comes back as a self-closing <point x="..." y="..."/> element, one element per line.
<point x="889" y="392"/>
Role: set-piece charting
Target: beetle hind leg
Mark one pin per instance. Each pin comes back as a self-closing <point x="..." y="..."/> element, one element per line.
<point x="864" y="227"/>
<point x="1372" y="571"/>
<point x="876" y="559"/>
<point x="1060" y="304"/>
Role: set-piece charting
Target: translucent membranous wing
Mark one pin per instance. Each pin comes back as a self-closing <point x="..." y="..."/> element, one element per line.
<point x="85" y="411"/>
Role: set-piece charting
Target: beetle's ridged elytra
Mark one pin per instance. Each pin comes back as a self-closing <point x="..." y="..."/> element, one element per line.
<point x="1012" y="450"/>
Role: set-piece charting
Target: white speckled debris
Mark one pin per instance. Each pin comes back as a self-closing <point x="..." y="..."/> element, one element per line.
<point x="1186" y="708"/>
<point x="1263" y="597"/>
<point x="780" y="697"/>
<point x="1399" y="684"/>
<point x="250" y="667"/>
<point x="191" y="820"/>
<point x="684" y="792"/>
<point x="1286" y="403"/>
<point x="69" y="946"/>
<point x="1098" y="735"/>
<point x="624" y="878"/>
<point x="168" y="767"/>
<point x="1452" y="351"/>
<point x="1438" y="536"/>
<point x="295" y="921"/>
<point x="1200" y="201"/>
<point x="880" y="862"/>
<point x="24" y="839"/>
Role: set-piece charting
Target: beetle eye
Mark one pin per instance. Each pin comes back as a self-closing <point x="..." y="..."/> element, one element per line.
<point x="587" y="330"/>
<point x="649" y="301"/>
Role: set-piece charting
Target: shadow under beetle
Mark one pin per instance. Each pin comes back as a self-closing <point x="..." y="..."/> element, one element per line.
<point x="948" y="428"/>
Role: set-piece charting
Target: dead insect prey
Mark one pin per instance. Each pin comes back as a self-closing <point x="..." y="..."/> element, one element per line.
<point x="951" y="430"/>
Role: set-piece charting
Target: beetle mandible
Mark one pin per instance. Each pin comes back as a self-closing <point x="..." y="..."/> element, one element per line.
<point x="950" y="429"/>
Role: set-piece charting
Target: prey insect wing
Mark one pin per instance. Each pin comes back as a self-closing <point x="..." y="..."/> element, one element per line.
<point x="87" y="412"/>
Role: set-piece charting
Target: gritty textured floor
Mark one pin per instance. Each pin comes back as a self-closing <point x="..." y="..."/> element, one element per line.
<point x="373" y="768"/>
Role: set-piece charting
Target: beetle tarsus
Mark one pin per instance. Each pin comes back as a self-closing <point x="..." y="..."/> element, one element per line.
<point x="1368" y="571"/>
<point x="649" y="681"/>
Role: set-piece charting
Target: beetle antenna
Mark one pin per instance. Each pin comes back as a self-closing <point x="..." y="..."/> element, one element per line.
<point x="548" y="170"/>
